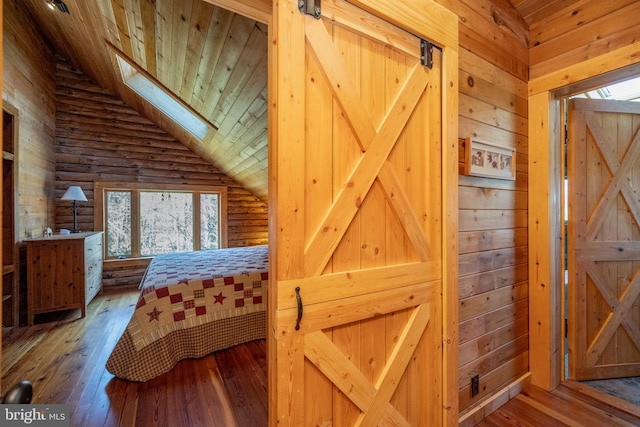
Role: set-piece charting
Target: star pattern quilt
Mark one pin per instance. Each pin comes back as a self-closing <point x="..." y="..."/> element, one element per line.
<point x="192" y="304"/>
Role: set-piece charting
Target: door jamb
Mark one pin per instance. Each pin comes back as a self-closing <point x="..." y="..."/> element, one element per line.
<point x="545" y="224"/>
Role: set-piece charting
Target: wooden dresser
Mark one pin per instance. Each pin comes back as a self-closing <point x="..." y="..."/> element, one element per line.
<point x="63" y="272"/>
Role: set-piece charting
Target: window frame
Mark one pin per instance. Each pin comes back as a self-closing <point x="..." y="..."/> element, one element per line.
<point x="100" y="189"/>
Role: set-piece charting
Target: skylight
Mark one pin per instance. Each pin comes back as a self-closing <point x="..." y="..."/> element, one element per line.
<point x="628" y="90"/>
<point x="161" y="99"/>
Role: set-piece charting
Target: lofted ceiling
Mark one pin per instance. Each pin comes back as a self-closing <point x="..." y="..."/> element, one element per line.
<point x="211" y="55"/>
<point x="211" y="59"/>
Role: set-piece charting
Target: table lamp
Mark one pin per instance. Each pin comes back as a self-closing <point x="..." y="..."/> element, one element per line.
<point x="74" y="193"/>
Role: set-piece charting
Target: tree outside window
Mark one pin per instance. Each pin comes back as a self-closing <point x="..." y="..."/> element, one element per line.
<point x="143" y="221"/>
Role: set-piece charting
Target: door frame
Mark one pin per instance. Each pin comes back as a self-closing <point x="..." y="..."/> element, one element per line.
<point x="443" y="26"/>
<point x="545" y="224"/>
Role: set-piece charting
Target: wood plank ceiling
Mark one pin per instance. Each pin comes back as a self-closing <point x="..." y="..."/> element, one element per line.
<point x="535" y="11"/>
<point x="211" y="55"/>
<point x="210" y="58"/>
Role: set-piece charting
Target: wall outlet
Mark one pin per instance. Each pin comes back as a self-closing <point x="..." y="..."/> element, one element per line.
<point x="475" y="385"/>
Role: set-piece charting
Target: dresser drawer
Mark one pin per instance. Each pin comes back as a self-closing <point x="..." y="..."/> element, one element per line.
<point x="63" y="272"/>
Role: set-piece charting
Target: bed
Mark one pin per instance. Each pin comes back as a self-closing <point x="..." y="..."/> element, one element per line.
<point x="192" y="304"/>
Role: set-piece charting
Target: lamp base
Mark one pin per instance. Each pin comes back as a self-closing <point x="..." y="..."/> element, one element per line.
<point x="75" y="231"/>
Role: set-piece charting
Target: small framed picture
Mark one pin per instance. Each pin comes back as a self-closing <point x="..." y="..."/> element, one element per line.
<point x="489" y="160"/>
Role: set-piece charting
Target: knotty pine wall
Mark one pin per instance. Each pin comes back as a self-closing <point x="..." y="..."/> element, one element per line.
<point x="583" y="30"/>
<point x="99" y="137"/>
<point x="28" y="91"/>
<point x="493" y="286"/>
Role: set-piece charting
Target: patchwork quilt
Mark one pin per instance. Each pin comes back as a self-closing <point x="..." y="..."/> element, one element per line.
<point x="192" y="304"/>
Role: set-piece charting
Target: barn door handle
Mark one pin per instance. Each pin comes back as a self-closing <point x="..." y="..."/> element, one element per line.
<point x="299" y="299"/>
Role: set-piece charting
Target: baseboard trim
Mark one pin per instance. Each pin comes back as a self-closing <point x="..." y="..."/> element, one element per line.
<point x="489" y="405"/>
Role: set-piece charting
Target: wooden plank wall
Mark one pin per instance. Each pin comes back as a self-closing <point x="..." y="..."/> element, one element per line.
<point x="28" y="86"/>
<point x="99" y="137"/>
<point x="582" y="30"/>
<point x="492" y="213"/>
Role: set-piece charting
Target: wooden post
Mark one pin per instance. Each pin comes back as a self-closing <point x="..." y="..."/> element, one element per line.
<point x="544" y="241"/>
<point x="450" y="241"/>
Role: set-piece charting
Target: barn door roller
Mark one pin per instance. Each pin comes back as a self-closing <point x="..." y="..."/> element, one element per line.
<point x="426" y="53"/>
<point x="310" y="7"/>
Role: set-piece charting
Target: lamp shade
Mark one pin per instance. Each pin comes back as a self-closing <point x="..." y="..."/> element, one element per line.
<point x="74" y="193"/>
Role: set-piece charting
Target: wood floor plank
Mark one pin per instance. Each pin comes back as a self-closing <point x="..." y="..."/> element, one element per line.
<point x="526" y="414"/>
<point x="601" y="399"/>
<point x="548" y="411"/>
<point x="224" y="407"/>
<point x="212" y="409"/>
<point x="563" y="407"/>
<point x="240" y="374"/>
<point x="595" y="411"/>
<point x="180" y="391"/>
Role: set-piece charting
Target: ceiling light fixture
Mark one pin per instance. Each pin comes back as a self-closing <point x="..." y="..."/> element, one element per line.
<point x="59" y="4"/>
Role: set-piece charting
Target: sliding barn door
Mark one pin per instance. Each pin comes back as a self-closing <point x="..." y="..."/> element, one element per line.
<point x="357" y="241"/>
<point x="604" y="239"/>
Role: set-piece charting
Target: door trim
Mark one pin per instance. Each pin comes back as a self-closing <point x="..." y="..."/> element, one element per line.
<point x="545" y="225"/>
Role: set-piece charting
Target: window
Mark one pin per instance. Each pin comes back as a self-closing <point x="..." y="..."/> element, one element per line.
<point x="162" y="99"/>
<point x="147" y="220"/>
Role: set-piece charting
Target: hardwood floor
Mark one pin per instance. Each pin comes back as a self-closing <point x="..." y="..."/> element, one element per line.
<point x="571" y="404"/>
<point x="64" y="357"/>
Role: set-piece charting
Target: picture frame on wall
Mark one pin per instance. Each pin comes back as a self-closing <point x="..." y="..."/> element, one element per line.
<point x="489" y="160"/>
